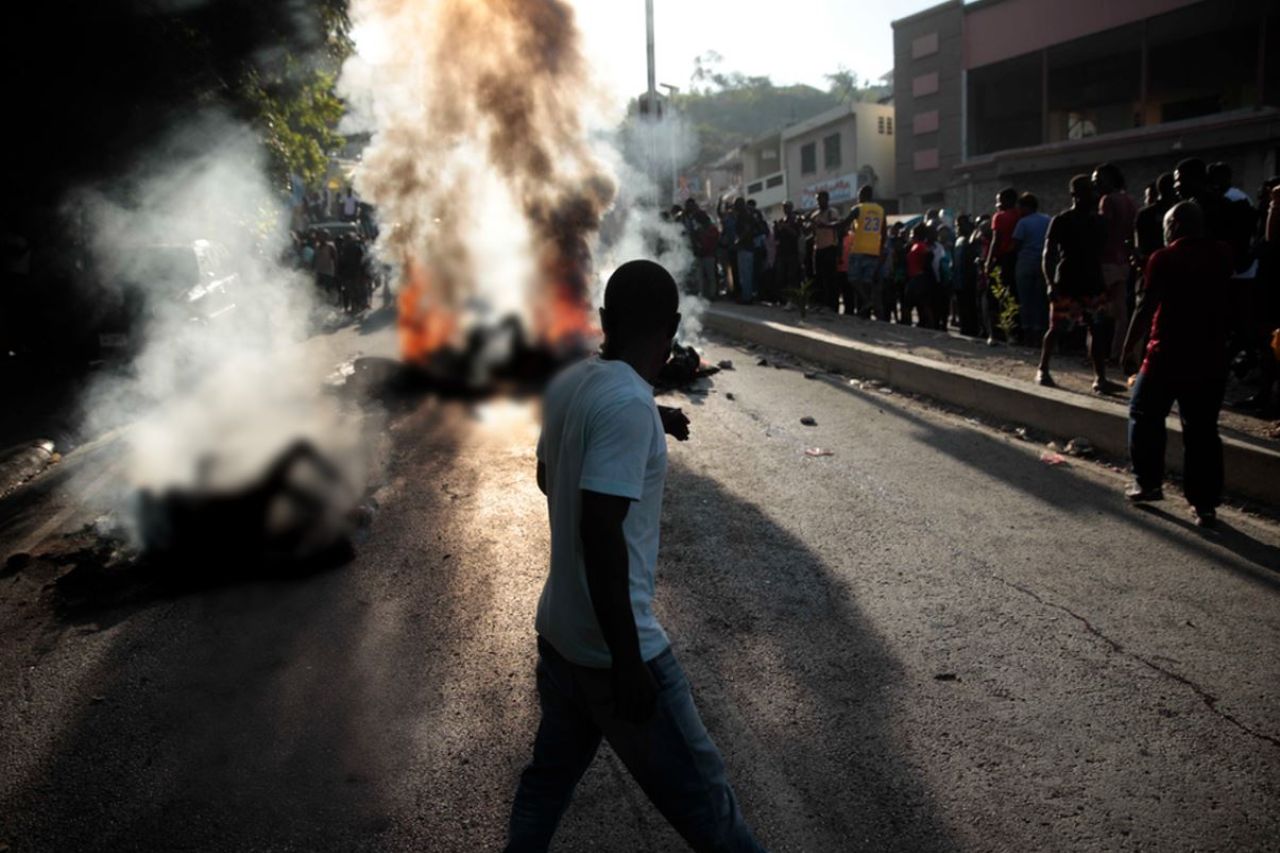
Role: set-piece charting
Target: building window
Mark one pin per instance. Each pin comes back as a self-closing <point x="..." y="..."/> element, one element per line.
<point x="880" y="125"/>
<point x="888" y="123"/>
<point x="773" y="181"/>
<point x="926" y="122"/>
<point x="808" y="158"/>
<point x="926" y="45"/>
<point x="831" y="151"/>
<point x="752" y="189"/>
<point x="924" y="84"/>
<point x="925" y="160"/>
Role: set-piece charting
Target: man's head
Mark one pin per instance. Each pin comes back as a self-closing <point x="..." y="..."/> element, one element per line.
<point x="1190" y="178"/>
<point x="864" y="193"/>
<point x="1220" y="177"/>
<point x="920" y="233"/>
<point x="1164" y="187"/>
<point x="824" y="199"/>
<point x="964" y="225"/>
<point x="931" y="215"/>
<point x="1006" y="198"/>
<point x="1028" y="203"/>
<point x="1081" y="189"/>
<point x="739" y="205"/>
<point x="1107" y="179"/>
<point x="1184" y="219"/>
<point x="751" y="203"/>
<point x="691" y="204"/>
<point x="640" y="315"/>
<point x="788" y="208"/>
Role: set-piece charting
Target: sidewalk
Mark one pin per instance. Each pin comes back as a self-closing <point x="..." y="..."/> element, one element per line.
<point x="996" y="381"/>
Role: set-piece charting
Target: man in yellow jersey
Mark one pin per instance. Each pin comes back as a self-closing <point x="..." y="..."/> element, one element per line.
<point x="866" y="247"/>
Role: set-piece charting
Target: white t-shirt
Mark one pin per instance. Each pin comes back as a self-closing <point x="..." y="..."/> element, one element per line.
<point x="600" y="432"/>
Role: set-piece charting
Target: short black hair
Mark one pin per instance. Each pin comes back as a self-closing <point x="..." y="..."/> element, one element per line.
<point x="1220" y="171"/>
<point x="1081" y="186"/>
<point x="1192" y="167"/>
<point x="1164" y="184"/>
<point x="864" y="192"/>
<point x="1029" y="201"/>
<point x="641" y="298"/>
<point x="1113" y="173"/>
<point x="1008" y="195"/>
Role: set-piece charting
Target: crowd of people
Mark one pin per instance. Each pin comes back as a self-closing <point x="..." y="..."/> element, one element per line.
<point x="330" y="237"/>
<point x="1175" y="291"/>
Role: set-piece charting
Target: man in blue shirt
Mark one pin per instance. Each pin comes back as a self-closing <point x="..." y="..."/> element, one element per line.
<point x="1028" y="244"/>
<point x="605" y="665"/>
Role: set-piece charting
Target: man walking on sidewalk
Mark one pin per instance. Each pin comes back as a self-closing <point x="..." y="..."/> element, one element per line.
<point x="605" y="666"/>
<point x="1185" y="362"/>
<point x="1077" y="293"/>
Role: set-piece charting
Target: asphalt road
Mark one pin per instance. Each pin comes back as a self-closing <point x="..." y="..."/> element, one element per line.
<point x="929" y="640"/>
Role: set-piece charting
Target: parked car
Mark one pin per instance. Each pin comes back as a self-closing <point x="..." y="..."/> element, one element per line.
<point x="194" y="279"/>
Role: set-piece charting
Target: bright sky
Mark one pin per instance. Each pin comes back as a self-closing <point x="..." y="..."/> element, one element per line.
<point x="789" y="42"/>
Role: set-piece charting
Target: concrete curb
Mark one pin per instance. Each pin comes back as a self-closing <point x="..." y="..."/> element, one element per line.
<point x="1251" y="471"/>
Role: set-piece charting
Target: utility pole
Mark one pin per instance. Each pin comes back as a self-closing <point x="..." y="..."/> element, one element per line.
<point x="672" y="91"/>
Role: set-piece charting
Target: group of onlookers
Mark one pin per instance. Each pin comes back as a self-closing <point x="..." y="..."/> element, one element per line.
<point x="1175" y="292"/>
<point x="344" y="273"/>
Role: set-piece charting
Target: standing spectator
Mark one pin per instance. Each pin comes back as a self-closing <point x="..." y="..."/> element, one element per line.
<point x="988" y="310"/>
<point x="921" y="278"/>
<point x="826" y="251"/>
<point x="786" y="237"/>
<point x="897" y="255"/>
<point x="866" y="249"/>
<point x="350" y="205"/>
<point x="351" y="275"/>
<point x="326" y="266"/>
<point x="1073" y="264"/>
<point x="1148" y="225"/>
<point x="1001" y="255"/>
<point x="1028" y="242"/>
<point x="760" y="285"/>
<point x="728" y="246"/>
<point x="706" y="239"/>
<point x="1220" y="182"/>
<point x="1118" y="212"/>
<point x="1184" y="363"/>
<point x="745" y="246"/>
<point x="964" y="275"/>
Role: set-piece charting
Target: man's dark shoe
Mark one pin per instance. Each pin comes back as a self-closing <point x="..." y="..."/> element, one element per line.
<point x="1204" y="518"/>
<point x="1138" y="495"/>
<point x="1045" y="380"/>
<point x="1105" y="386"/>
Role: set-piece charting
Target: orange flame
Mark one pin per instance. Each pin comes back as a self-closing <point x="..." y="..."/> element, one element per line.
<point x="425" y="323"/>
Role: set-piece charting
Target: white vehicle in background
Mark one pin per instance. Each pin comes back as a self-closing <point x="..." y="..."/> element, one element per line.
<point x="195" y="279"/>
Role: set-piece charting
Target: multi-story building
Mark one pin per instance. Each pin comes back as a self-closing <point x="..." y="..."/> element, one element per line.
<point x="1027" y="93"/>
<point x="838" y="151"/>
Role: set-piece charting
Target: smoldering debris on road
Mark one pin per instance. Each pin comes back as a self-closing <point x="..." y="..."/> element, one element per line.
<point x="683" y="369"/>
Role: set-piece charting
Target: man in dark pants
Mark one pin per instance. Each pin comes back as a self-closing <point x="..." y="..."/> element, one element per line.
<point x="605" y="666"/>
<point x="1185" y="362"/>
<point x="826" y="254"/>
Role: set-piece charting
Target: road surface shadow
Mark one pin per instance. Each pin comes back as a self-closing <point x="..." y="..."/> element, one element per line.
<point x="263" y="716"/>
<point x="1080" y="497"/>
<point x="795" y="686"/>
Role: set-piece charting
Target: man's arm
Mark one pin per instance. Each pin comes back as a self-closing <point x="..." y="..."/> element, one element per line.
<point x="1049" y="258"/>
<point x="604" y="556"/>
<point x="1140" y="325"/>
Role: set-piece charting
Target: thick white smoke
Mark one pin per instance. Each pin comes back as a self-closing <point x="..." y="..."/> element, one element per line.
<point x="208" y="397"/>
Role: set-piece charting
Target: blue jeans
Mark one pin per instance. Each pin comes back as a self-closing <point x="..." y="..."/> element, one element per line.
<point x="746" y="274"/>
<point x="671" y="756"/>
<point x="1199" y="402"/>
<point x="1033" y="300"/>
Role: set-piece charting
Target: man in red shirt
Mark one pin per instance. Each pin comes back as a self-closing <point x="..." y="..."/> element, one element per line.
<point x="1003" y="255"/>
<point x="1118" y="212"/>
<point x="1185" y="362"/>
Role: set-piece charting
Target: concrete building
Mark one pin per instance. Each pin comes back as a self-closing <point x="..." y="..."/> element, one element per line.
<point x="1027" y="93"/>
<point x="837" y="151"/>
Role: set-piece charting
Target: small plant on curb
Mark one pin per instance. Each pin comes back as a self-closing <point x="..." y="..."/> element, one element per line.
<point x="1007" y="318"/>
<point x="801" y="296"/>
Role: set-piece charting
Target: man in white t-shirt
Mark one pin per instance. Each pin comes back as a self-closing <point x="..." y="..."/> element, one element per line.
<point x="605" y="666"/>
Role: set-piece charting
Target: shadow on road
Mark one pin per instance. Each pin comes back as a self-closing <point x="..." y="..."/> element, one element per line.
<point x="265" y="715"/>
<point x="794" y="684"/>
